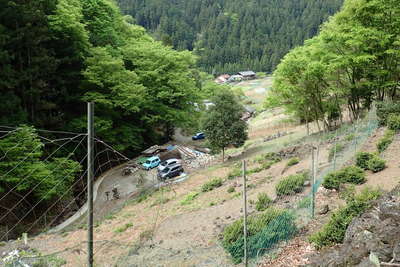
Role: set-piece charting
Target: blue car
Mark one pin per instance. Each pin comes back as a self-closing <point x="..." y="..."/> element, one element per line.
<point x="151" y="163"/>
<point x="198" y="136"/>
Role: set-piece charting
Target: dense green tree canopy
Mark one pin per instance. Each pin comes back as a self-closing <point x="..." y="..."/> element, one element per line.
<point x="354" y="61"/>
<point x="55" y="55"/>
<point x="231" y="35"/>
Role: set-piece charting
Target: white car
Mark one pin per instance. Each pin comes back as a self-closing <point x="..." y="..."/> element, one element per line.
<point x="168" y="163"/>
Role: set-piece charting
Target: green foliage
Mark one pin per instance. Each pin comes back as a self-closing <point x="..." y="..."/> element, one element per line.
<point x="271" y="157"/>
<point x="376" y="164"/>
<point x="212" y="184"/>
<point x="264" y="231"/>
<point x="231" y="189"/>
<point x="393" y="122"/>
<point x="293" y="161"/>
<point x="362" y="159"/>
<point x="123" y="228"/>
<point x="236" y="172"/>
<point x="188" y="199"/>
<point x="263" y="202"/>
<point x="223" y="124"/>
<point x="349" y="63"/>
<point x="349" y="137"/>
<point x="304" y="203"/>
<point x="334" y="231"/>
<point x="350" y="174"/>
<point x="385" y="141"/>
<point x="24" y="149"/>
<point x="291" y="185"/>
<point x="335" y="149"/>
<point x="386" y="108"/>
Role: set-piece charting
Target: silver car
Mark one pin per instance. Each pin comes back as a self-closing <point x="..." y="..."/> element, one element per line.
<point x="168" y="163"/>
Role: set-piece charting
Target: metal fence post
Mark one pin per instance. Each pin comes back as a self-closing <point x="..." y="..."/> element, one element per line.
<point x="245" y="214"/>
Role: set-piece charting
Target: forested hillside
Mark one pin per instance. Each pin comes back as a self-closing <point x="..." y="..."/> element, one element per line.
<point x="232" y="35"/>
<point x="354" y="61"/>
<point x="56" y="55"/>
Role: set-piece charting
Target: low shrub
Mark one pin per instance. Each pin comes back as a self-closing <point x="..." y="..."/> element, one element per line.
<point x="339" y="148"/>
<point x="376" y="164"/>
<point x="362" y="159"/>
<point x="264" y="231"/>
<point x="266" y="165"/>
<point x="123" y="228"/>
<point x="263" y="202"/>
<point x="231" y="189"/>
<point x="293" y="161"/>
<point x="210" y="185"/>
<point x="350" y="174"/>
<point x="349" y="137"/>
<point x="236" y="172"/>
<point x="393" y="122"/>
<point x="385" y="141"/>
<point x="188" y="199"/>
<point x="304" y="203"/>
<point x="334" y="231"/>
<point x="291" y="184"/>
<point x="271" y="156"/>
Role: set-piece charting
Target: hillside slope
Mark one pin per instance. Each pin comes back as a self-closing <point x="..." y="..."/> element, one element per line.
<point x="230" y="35"/>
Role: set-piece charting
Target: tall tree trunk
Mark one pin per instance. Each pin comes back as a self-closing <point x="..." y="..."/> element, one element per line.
<point x="223" y="154"/>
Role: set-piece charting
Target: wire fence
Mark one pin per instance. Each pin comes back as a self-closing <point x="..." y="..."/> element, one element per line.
<point x="340" y="147"/>
<point x="295" y="209"/>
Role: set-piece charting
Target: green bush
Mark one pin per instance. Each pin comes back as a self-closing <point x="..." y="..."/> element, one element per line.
<point x="231" y="189"/>
<point x="349" y="137"/>
<point x="393" y="122"/>
<point x="293" y="161"/>
<point x="264" y="231"/>
<point x="210" y="185"/>
<point x="123" y="228"/>
<point x="376" y="164"/>
<point x="271" y="156"/>
<point x="188" y="199"/>
<point x="267" y="165"/>
<point x="362" y="159"/>
<point x="385" y="141"/>
<point x="236" y="172"/>
<point x="334" y="231"/>
<point x="385" y="109"/>
<point x="291" y="184"/>
<point x="263" y="202"/>
<point x="339" y="148"/>
<point x="350" y="174"/>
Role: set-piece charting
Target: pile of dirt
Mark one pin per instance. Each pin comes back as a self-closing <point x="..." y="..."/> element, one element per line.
<point x="371" y="239"/>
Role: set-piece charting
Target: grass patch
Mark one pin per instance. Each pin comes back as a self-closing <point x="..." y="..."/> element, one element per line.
<point x="236" y="172"/>
<point x="350" y="174"/>
<point x="304" y="203"/>
<point x="334" y="231"/>
<point x="264" y="232"/>
<point x="263" y="202"/>
<point x="189" y="198"/>
<point x="123" y="228"/>
<point x="291" y="185"/>
<point x="231" y="189"/>
<point x="293" y="161"/>
<point x="211" y="185"/>
<point x="349" y="137"/>
<point x="385" y="141"/>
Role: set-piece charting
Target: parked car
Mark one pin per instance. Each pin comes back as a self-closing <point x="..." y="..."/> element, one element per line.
<point x="151" y="163"/>
<point x="198" y="136"/>
<point x="168" y="163"/>
<point x="170" y="172"/>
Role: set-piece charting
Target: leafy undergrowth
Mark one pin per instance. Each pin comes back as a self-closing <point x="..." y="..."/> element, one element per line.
<point x="264" y="232"/>
<point x="334" y="231"/>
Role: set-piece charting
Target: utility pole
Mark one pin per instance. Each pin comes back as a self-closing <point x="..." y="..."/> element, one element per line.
<point x="90" y="157"/>
<point x="245" y="214"/>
